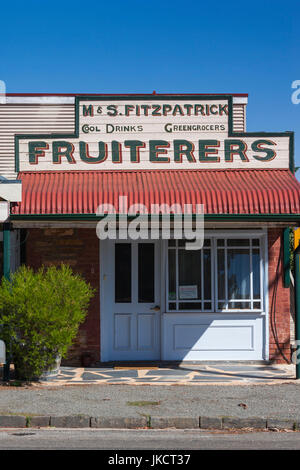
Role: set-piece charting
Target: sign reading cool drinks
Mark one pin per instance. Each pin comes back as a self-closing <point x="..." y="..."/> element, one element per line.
<point x="152" y="133"/>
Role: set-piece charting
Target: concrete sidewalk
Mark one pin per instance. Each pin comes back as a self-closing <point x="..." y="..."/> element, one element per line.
<point x="127" y="406"/>
<point x="221" y="397"/>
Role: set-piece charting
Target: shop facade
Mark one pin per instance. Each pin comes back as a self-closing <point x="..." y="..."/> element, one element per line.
<point x="90" y="164"/>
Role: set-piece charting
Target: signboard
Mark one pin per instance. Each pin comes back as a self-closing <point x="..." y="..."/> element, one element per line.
<point x="4" y="211"/>
<point x="188" y="292"/>
<point x="154" y="132"/>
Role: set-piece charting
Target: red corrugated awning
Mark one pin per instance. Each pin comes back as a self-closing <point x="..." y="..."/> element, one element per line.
<point x="221" y="192"/>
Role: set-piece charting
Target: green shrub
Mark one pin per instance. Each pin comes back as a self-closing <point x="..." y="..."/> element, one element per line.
<point x="40" y="313"/>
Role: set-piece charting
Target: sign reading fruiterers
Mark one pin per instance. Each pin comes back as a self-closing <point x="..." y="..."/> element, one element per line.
<point x="172" y="132"/>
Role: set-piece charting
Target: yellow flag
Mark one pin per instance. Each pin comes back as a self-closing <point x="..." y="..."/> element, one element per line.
<point x="296" y="238"/>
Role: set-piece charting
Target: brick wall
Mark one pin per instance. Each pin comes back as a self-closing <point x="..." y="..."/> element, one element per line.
<point x="279" y="306"/>
<point x="80" y="249"/>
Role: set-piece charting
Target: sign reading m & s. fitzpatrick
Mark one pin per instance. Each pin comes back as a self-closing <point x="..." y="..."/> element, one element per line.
<point x="153" y="132"/>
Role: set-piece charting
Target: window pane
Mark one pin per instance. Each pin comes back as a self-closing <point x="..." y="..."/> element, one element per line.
<point x="221" y="274"/>
<point x="122" y="272"/>
<point x="239" y="305"/>
<point x="190" y="273"/>
<point x="146" y="272"/>
<point x="207" y="274"/>
<point x="238" y="242"/>
<point x="238" y="265"/>
<point x="255" y="242"/>
<point x="172" y="306"/>
<point x="172" y="274"/>
<point x="190" y="306"/>
<point x="256" y="274"/>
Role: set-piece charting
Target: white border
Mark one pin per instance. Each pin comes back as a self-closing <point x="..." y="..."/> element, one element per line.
<point x="71" y="99"/>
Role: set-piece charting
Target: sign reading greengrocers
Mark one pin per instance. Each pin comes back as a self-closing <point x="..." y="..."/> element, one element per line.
<point x="152" y="133"/>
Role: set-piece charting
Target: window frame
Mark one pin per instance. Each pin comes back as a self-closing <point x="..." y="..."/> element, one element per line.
<point x="214" y="275"/>
<point x="201" y="300"/>
<point x="251" y="299"/>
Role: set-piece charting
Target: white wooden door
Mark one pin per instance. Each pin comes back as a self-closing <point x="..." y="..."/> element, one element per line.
<point x="130" y="300"/>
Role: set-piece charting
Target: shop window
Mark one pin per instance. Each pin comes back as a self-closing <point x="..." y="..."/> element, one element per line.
<point x="239" y="275"/>
<point x="189" y="277"/>
<point x="226" y="275"/>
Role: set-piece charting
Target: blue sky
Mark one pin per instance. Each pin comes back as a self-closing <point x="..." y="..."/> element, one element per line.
<point x="137" y="46"/>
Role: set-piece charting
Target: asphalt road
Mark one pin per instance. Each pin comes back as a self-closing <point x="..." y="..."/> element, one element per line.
<point x="87" y="439"/>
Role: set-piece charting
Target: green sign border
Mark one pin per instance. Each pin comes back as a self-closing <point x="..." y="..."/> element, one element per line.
<point x="228" y="98"/>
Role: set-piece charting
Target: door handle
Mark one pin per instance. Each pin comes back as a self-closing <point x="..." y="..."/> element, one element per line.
<point x="156" y="308"/>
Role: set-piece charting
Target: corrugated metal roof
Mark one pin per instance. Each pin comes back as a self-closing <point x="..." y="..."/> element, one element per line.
<point x="222" y="192"/>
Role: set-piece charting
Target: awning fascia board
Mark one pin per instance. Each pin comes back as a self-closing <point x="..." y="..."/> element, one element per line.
<point x="209" y="217"/>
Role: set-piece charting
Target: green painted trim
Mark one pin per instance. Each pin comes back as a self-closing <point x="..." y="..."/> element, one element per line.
<point x="219" y="217"/>
<point x="154" y="97"/>
<point x="278" y="217"/>
<point x="286" y="257"/>
<point x="292" y="153"/>
<point x="297" y="307"/>
<point x="230" y="116"/>
<point x="229" y="99"/>
<point x="36" y="136"/>
<point x="6" y="250"/>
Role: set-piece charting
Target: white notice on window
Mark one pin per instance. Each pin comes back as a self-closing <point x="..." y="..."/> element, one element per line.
<point x="188" y="292"/>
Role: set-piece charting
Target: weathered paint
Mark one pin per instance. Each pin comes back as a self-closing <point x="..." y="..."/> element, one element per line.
<point x="55" y="113"/>
<point x="30" y="118"/>
<point x="107" y="129"/>
<point x="231" y="193"/>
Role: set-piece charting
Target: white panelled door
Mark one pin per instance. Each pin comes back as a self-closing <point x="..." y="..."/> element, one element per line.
<point x="130" y="300"/>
